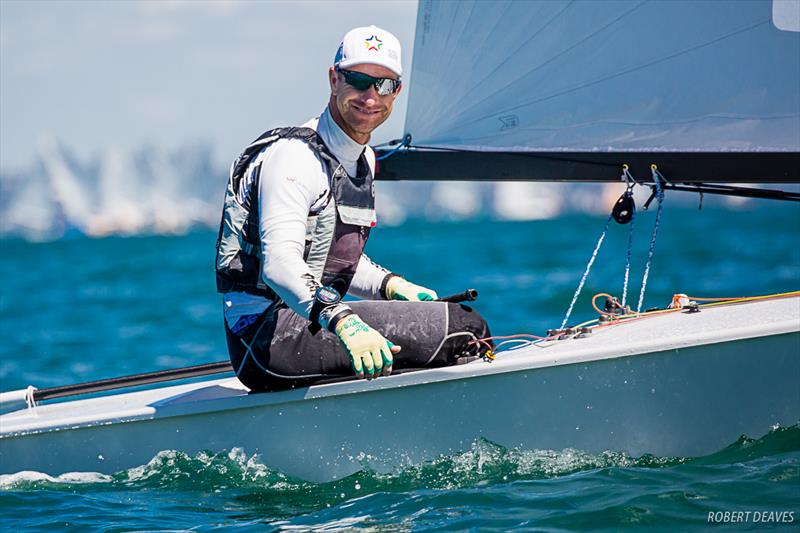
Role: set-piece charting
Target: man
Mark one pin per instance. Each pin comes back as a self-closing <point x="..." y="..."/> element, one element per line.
<point x="298" y="210"/>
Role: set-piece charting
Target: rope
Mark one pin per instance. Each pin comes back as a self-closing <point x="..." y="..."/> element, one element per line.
<point x="524" y="340"/>
<point x="747" y="299"/>
<point x="387" y="154"/>
<point x="405" y="142"/>
<point x="630" y="181"/>
<point x="586" y="272"/>
<point x="628" y="262"/>
<point x="601" y="311"/>
<point x="660" y="198"/>
<point x="29" y="398"/>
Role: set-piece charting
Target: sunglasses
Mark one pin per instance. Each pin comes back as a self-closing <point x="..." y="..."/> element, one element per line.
<point x="362" y="82"/>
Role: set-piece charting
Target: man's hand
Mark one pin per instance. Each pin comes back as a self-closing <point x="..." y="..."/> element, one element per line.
<point x="399" y="289"/>
<point x="370" y="352"/>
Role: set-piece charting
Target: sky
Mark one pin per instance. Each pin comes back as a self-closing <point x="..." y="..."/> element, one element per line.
<point x="130" y="73"/>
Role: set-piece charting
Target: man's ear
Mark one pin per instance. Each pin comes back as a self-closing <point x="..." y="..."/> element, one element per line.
<point x="333" y="79"/>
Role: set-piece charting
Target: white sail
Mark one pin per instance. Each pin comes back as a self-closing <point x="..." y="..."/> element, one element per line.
<point x="606" y="76"/>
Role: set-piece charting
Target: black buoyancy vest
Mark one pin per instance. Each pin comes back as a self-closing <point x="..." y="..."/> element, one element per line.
<point x="334" y="245"/>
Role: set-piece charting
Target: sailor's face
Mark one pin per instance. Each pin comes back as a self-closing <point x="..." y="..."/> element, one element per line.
<point x="361" y="111"/>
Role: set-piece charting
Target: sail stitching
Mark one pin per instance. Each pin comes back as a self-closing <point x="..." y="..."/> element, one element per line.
<point x="614" y="75"/>
<point x="447" y="39"/>
<point x="607" y="122"/>
<point x="519" y="48"/>
<point x="543" y="64"/>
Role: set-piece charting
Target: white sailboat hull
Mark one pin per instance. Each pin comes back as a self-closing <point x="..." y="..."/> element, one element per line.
<point x="673" y="385"/>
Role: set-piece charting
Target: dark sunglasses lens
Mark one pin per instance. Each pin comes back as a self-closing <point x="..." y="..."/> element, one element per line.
<point x="362" y="82"/>
<point x="358" y="80"/>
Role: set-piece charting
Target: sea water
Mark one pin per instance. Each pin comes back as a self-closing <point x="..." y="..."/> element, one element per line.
<point x="80" y="309"/>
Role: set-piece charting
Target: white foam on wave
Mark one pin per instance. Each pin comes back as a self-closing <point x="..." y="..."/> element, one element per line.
<point x="11" y="481"/>
<point x="234" y="464"/>
<point x="347" y="523"/>
<point x="235" y="467"/>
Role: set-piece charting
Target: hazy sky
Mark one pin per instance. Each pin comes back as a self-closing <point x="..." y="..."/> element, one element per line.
<point x="125" y="73"/>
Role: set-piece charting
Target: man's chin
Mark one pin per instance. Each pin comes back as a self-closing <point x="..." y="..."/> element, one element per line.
<point x="364" y="126"/>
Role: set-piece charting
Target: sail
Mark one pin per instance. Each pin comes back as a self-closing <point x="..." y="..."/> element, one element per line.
<point x="709" y="88"/>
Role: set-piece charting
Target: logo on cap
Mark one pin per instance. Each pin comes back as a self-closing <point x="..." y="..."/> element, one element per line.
<point x="373" y="43"/>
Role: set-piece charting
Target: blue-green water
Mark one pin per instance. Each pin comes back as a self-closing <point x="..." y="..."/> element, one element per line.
<point x="80" y="309"/>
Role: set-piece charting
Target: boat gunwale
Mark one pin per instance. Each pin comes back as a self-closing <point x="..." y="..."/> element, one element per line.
<point x="173" y="401"/>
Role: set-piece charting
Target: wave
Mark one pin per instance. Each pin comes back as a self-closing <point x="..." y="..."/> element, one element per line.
<point x="484" y="464"/>
<point x="778" y="441"/>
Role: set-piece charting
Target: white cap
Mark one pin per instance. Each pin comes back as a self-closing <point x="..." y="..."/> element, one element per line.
<point x="371" y="45"/>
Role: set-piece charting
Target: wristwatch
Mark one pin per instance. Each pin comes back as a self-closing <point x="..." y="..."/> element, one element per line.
<point x="327" y="296"/>
<point x="327" y="309"/>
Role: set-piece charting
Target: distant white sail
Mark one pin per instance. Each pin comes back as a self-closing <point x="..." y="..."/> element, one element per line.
<point x="589" y="75"/>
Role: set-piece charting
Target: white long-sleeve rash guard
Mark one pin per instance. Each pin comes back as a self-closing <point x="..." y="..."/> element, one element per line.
<point x="293" y="182"/>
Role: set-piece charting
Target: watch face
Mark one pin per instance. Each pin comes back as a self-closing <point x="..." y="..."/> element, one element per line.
<point x="327" y="295"/>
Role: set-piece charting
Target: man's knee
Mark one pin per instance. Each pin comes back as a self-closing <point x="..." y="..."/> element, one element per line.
<point x="465" y="319"/>
<point x="465" y="330"/>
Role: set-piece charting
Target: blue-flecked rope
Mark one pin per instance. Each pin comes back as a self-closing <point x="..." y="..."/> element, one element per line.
<point x="387" y="154"/>
<point x="586" y="272"/>
<point x="628" y="261"/>
<point x="629" y="179"/>
<point x="394" y="150"/>
<point x="660" y="199"/>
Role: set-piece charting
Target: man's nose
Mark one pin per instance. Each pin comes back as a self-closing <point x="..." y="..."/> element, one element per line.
<point x="370" y="96"/>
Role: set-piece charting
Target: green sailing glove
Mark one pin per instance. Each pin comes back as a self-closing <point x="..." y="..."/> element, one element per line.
<point x="399" y="289"/>
<point x="370" y="352"/>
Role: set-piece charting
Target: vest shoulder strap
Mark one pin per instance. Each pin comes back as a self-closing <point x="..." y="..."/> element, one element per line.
<point x="308" y="135"/>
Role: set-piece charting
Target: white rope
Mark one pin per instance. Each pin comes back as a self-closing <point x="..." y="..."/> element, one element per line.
<point x="660" y="199"/>
<point x="29" y="399"/>
<point x="586" y="272"/>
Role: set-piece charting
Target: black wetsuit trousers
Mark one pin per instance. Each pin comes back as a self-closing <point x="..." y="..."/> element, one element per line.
<point x="279" y="351"/>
